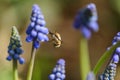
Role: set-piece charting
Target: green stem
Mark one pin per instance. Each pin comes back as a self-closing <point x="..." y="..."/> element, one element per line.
<point x="31" y="64"/>
<point x="84" y="58"/>
<point x="15" y="72"/>
<point x="105" y="56"/>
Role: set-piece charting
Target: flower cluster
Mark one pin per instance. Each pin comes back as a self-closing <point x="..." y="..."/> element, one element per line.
<point x="86" y="20"/>
<point x="110" y="70"/>
<point x="36" y="31"/>
<point x="14" y="48"/>
<point x="58" y="72"/>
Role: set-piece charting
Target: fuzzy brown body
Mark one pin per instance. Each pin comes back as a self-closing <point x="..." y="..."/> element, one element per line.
<point x="56" y="39"/>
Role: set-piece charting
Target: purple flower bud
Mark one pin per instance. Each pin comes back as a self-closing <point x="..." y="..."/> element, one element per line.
<point x="32" y="24"/>
<point x="91" y="6"/>
<point x="63" y="76"/>
<point x="58" y="79"/>
<point x="37" y="27"/>
<point x="33" y="33"/>
<point x="33" y="19"/>
<point x="9" y="58"/>
<point x="40" y="17"/>
<point x="41" y="37"/>
<point x="34" y="14"/>
<point x="86" y="32"/>
<point x="108" y="48"/>
<point x="114" y="43"/>
<point x="29" y="29"/>
<point x="16" y="56"/>
<point x="11" y="52"/>
<point x="118" y="34"/>
<point x="86" y="20"/>
<point x="115" y="58"/>
<point x="58" y="74"/>
<point x="29" y="38"/>
<point x="118" y="38"/>
<point x="90" y="76"/>
<point x="42" y="29"/>
<point x="61" y="62"/>
<point x="35" y="7"/>
<point x="21" y="60"/>
<point x="114" y="40"/>
<point x="52" y="76"/>
<point x="41" y="22"/>
<point x="19" y="51"/>
<point x="34" y="11"/>
<point x="94" y="26"/>
<point x="118" y="50"/>
<point x="45" y="38"/>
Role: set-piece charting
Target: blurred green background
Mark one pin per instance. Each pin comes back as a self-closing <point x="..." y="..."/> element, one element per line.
<point x="59" y="16"/>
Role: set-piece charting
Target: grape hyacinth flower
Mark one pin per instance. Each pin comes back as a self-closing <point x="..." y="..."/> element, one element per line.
<point x="58" y="72"/>
<point x="86" y="20"/>
<point x="14" y="48"/>
<point x="110" y="70"/>
<point x="36" y="31"/>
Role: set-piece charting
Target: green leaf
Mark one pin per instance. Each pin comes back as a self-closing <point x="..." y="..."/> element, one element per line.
<point x="105" y="56"/>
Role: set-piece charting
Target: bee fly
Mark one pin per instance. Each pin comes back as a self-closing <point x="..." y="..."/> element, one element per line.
<point x="56" y="39"/>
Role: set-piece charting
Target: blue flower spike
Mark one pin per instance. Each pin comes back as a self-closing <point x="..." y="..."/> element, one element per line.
<point x="110" y="71"/>
<point x="36" y="31"/>
<point x="14" y="48"/>
<point x="90" y="76"/>
<point x="58" y="72"/>
<point x="86" y="20"/>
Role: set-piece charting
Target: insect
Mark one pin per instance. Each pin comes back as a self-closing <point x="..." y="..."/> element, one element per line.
<point x="56" y="39"/>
